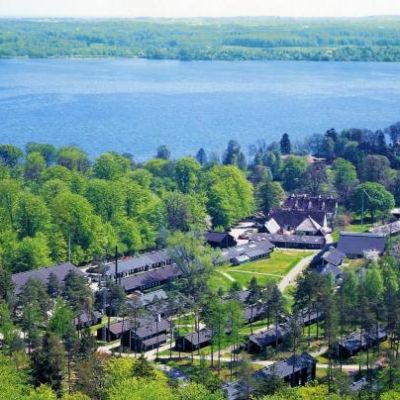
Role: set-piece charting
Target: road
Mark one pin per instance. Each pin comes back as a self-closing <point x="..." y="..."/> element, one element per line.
<point x="291" y="276"/>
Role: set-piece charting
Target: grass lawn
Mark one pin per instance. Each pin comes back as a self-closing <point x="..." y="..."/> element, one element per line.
<point x="266" y="270"/>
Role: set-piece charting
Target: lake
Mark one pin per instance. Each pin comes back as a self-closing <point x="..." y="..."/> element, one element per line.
<point x="136" y="105"/>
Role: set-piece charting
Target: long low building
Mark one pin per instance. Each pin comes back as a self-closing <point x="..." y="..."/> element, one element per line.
<point x="131" y="265"/>
<point x="59" y="271"/>
<point x="251" y="251"/>
<point x="355" y="245"/>
<point x="295" y="241"/>
<point x="150" y="278"/>
<point x="357" y="342"/>
<point x="194" y="340"/>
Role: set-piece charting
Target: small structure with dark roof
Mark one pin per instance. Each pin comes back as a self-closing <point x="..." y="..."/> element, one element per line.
<point x="221" y="240"/>
<point x="42" y="275"/>
<point x="270" y="337"/>
<point x="329" y="262"/>
<point x="150" y="334"/>
<point x="150" y="278"/>
<point x="355" y="245"/>
<point x="86" y="319"/>
<point x="356" y="342"/>
<point x="296" y="370"/>
<point x="194" y="340"/>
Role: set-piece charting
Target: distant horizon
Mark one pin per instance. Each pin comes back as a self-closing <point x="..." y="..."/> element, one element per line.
<point x="38" y="17"/>
<point x="195" y="9"/>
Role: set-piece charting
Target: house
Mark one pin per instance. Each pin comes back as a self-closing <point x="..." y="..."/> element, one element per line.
<point x="258" y="342"/>
<point x="150" y="334"/>
<point x="296" y="370"/>
<point x="295" y="241"/>
<point x="85" y="319"/>
<point x="305" y="202"/>
<point x="300" y="222"/>
<point x="144" y="262"/>
<point x="329" y="262"/>
<point x="356" y="342"/>
<point x="194" y="340"/>
<point x="42" y="275"/>
<point x="354" y="245"/>
<point x="254" y="250"/>
<point x="152" y="278"/>
<point x="115" y="331"/>
<point x="221" y="240"/>
<point x="254" y="312"/>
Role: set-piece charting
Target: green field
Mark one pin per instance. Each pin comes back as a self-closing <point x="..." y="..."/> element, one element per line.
<point x="266" y="270"/>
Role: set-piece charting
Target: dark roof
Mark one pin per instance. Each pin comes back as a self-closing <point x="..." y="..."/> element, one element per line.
<point x="268" y="337"/>
<point x="203" y="336"/>
<point x="313" y="203"/>
<point x="355" y="244"/>
<point x="155" y="340"/>
<point x="151" y="328"/>
<point x="253" y="249"/>
<point x="42" y="274"/>
<point x="85" y="318"/>
<point x="242" y="296"/>
<point x="128" y="264"/>
<point x="356" y="341"/>
<point x="329" y="269"/>
<point x="296" y="239"/>
<point x="254" y="311"/>
<point x="150" y="278"/>
<point x="294" y="218"/>
<point x="217" y="237"/>
<point x="284" y="368"/>
<point x="333" y="256"/>
<point x="120" y="327"/>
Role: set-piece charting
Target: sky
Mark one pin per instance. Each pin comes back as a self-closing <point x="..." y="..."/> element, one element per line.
<point x="198" y="8"/>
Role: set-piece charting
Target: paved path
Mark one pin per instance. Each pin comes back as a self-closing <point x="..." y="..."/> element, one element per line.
<point x="255" y="273"/>
<point x="227" y="276"/>
<point x="291" y="276"/>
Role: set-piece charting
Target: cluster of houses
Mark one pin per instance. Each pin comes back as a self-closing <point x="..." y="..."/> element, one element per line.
<point x="302" y="221"/>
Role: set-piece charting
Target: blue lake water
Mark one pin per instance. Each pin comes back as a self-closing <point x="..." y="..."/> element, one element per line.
<point x="136" y="105"/>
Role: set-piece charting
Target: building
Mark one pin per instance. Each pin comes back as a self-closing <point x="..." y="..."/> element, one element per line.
<point x="86" y="319"/>
<point x="254" y="312"/>
<point x="152" y="278"/>
<point x="144" y="262"/>
<point x="115" y="331"/>
<point x="294" y="241"/>
<point x="221" y="240"/>
<point x="254" y="250"/>
<point x="296" y="370"/>
<point x="258" y="342"/>
<point x="148" y="335"/>
<point x="356" y="342"/>
<point x="42" y="275"/>
<point x="355" y="245"/>
<point x="194" y="340"/>
<point x="305" y="202"/>
<point x="390" y="229"/>
<point x="329" y="262"/>
<point x="299" y="222"/>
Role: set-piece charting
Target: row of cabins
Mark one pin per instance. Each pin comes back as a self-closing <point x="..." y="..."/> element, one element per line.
<point x="60" y="272"/>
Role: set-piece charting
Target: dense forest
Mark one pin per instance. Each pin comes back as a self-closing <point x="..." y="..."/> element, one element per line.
<point x="57" y="204"/>
<point x="365" y="39"/>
